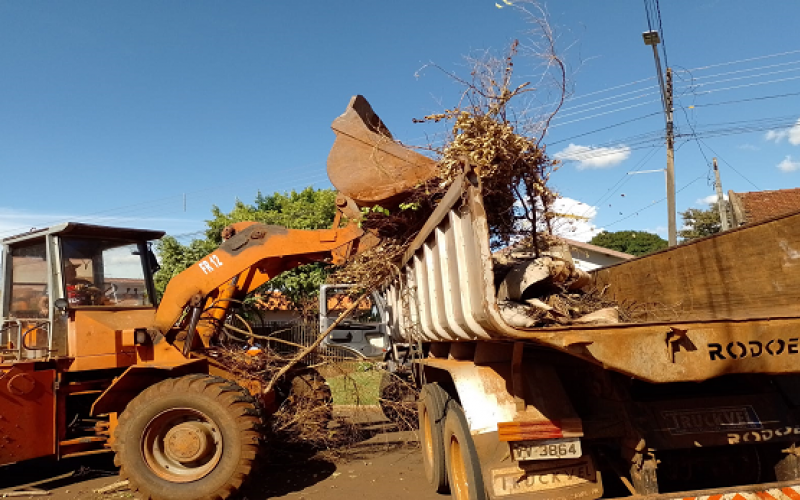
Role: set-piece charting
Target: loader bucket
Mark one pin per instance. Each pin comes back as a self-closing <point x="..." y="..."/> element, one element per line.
<point x="366" y="164"/>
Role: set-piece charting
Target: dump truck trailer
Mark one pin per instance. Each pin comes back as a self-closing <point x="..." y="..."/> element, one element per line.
<point x="697" y="398"/>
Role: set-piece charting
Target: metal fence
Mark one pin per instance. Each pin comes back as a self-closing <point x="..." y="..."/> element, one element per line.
<point x="289" y="338"/>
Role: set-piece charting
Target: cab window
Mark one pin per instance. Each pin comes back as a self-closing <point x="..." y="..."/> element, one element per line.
<point x="29" y="281"/>
<point x="104" y="273"/>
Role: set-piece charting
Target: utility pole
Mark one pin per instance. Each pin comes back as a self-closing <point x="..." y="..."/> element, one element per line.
<point x="722" y="207"/>
<point x="651" y="38"/>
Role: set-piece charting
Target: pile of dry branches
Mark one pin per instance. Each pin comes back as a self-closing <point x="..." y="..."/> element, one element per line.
<point x="486" y="135"/>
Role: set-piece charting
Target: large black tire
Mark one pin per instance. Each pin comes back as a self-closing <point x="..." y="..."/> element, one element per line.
<point x="432" y="408"/>
<point x="398" y="401"/>
<point x="463" y="466"/>
<point x="189" y="438"/>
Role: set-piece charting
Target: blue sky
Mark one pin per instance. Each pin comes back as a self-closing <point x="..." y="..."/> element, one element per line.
<point x="117" y="112"/>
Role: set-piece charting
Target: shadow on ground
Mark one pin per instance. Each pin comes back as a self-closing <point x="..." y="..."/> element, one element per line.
<point x="48" y="474"/>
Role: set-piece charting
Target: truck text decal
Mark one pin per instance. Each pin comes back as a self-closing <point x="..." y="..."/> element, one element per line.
<point x="702" y="420"/>
<point x="206" y="267"/>
<point x="753" y="349"/>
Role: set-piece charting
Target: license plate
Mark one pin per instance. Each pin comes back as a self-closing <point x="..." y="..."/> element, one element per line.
<point x="514" y="480"/>
<point x="546" y="450"/>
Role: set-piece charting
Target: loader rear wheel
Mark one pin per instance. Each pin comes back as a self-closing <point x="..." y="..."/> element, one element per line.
<point x="194" y="437"/>
<point x="463" y="465"/>
<point x="431" y="409"/>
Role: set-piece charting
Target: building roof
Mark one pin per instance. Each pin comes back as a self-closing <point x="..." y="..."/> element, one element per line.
<point x="758" y="206"/>
<point x="594" y="248"/>
<point x="274" y="301"/>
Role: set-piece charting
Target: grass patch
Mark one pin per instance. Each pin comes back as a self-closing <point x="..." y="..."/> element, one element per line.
<point x="357" y="388"/>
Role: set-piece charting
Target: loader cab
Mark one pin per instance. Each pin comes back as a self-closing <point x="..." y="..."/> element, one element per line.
<point x="364" y="333"/>
<point x="49" y="274"/>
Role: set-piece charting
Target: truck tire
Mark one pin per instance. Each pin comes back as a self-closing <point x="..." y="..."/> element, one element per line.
<point x="189" y="438"/>
<point x="431" y="408"/>
<point x="463" y="465"/>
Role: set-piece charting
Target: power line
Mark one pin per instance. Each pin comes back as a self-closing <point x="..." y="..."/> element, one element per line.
<point x="697" y="85"/>
<point x="604" y="113"/>
<point x="746" y="85"/>
<point x="736" y="72"/>
<point x="661" y="32"/>
<point x="732" y="167"/>
<point x="605" y="128"/>
<point x="701" y="68"/>
<point x="636" y="212"/>
<point x="614" y="103"/>
<point x="724" y="103"/>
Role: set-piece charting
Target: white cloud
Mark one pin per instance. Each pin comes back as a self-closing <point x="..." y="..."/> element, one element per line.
<point x="575" y="221"/>
<point x="748" y="147"/>
<point x="792" y="134"/>
<point x="709" y="200"/>
<point x="590" y="157"/>
<point x="787" y="165"/>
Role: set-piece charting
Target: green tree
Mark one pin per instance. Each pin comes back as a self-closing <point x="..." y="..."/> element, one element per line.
<point x="699" y="223"/>
<point x="632" y="242"/>
<point x="307" y="209"/>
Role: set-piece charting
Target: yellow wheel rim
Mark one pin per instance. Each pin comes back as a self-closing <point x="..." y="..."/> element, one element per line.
<point x="428" y="440"/>
<point x="459" y="484"/>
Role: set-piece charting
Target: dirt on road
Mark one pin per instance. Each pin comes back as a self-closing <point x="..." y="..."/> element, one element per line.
<point x="385" y="467"/>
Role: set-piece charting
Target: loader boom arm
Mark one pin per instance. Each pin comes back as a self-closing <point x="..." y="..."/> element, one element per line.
<point x="252" y="255"/>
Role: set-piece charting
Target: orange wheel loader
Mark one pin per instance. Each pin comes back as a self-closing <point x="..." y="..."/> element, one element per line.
<point x="90" y="363"/>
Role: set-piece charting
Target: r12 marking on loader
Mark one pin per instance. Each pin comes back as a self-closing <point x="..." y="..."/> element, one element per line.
<point x="206" y="267"/>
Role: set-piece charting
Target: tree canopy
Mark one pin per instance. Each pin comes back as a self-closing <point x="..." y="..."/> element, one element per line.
<point x="308" y="209"/>
<point x="632" y="242"/>
<point x="698" y="223"/>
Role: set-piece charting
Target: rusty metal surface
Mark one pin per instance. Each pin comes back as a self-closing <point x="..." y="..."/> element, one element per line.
<point x="255" y="255"/>
<point x="27" y="413"/>
<point x="137" y="378"/>
<point x="785" y="490"/>
<point x="366" y="164"/>
<point x="450" y="280"/>
<point x="97" y="338"/>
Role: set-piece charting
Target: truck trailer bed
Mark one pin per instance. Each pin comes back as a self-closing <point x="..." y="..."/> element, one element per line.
<point x="721" y="305"/>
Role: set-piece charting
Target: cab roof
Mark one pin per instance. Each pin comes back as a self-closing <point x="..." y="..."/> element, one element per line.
<point x="88" y="231"/>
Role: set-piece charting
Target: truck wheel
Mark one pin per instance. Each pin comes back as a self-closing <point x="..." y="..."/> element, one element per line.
<point x="431" y="408"/>
<point x="463" y="466"/>
<point x="188" y="438"/>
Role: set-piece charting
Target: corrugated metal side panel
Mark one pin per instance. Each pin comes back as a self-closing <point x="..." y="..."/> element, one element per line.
<point x="445" y="284"/>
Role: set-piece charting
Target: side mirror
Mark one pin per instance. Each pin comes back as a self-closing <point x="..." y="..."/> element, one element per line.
<point x="61" y="304"/>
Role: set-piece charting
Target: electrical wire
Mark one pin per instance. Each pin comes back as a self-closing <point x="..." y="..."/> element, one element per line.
<point x="604" y="128"/>
<point x="732" y="167"/>
<point x="646" y="207"/>
<point x="729" y="63"/>
<point x="736" y="101"/>
<point x="736" y="72"/>
<point x="737" y="78"/>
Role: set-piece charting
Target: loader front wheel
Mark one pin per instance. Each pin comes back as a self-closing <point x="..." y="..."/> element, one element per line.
<point x="194" y="437"/>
